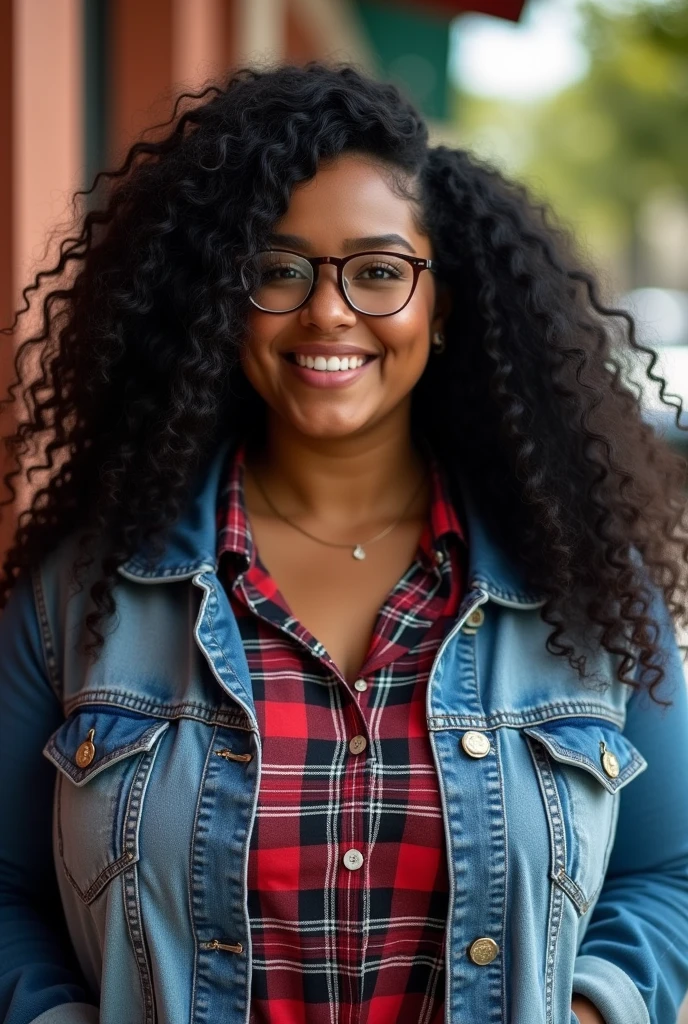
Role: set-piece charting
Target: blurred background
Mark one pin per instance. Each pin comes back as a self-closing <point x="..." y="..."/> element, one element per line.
<point x="584" y="100"/>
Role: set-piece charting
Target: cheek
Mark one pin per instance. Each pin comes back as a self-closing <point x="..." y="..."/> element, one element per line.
<point x="259" y="343"/>
<point x="405" y="340"/>
<point x="259" y="334"/>
<point x="406" y="335"/>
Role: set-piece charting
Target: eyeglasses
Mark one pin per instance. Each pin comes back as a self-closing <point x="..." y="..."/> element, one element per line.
<point x="376" y="283"/>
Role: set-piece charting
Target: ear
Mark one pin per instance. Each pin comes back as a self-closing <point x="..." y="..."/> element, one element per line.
<point x="443" y="307"/>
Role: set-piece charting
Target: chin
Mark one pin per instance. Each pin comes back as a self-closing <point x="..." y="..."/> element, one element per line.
<point x="327" y="427"/>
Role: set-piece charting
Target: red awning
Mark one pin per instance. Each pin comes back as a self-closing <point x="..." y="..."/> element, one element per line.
<point x="509" y="9"/>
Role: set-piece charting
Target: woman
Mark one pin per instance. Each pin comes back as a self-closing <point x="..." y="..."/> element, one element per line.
<point x="367" y="704"/>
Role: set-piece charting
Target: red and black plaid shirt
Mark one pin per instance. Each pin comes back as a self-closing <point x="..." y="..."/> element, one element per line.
<point x="335" y="943"/>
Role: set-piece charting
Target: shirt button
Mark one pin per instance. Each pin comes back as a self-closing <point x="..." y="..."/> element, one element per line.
<point x="483" y="951"/>
<point x="439" y="557"/>
<point x="360" y="685"/>
<point x="353" y="860"/>
<point x="474" y="621"/>
<point x="358" y="744"/>
<point x="476" y="744"/>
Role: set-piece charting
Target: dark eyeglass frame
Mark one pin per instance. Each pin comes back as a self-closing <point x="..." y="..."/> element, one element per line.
<point x="417" y="263"/>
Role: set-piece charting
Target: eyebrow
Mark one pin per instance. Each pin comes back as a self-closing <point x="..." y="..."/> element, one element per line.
<point x="349" y="245"/>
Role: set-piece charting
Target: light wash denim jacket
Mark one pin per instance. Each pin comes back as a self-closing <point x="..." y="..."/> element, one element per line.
<point x="567" y="841"/>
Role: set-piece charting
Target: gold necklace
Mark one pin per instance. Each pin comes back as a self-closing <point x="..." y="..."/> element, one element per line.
<point x="358" y="550"/>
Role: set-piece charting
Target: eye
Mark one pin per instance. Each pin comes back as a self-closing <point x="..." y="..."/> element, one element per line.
<point x="281" y="271"/>
<point x="382" y="270"/>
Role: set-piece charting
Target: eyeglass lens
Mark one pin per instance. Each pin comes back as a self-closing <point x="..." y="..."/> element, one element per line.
<point x="373" y="283"/>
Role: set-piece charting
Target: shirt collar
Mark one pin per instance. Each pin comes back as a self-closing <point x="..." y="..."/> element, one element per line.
<point x="233" y="527"/>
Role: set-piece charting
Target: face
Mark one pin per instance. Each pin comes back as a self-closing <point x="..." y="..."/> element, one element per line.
<point x="349" y="206"/>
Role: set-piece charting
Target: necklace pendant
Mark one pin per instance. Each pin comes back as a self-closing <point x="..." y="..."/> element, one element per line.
<point x="358" y="553"/>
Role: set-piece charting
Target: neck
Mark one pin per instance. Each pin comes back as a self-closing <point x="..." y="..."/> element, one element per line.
<point x="343" y="482"/>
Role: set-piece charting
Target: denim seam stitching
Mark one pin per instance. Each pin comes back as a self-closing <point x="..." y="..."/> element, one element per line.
<point x="233" y="718"/>
<point x="505" y="826"/>
<point x="558" y="853"/>
<point x="554" y="930"/>
<point x="547" y="713"/>
<point x="135" y="570"/>
<point x="130" y="886"/>
<point x="192" y="861"/>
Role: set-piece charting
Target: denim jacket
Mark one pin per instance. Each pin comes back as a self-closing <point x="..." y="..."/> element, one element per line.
<point x="567" y="831"/>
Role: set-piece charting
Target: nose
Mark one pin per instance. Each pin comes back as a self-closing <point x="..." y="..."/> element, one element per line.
<point x="327" y="307"/>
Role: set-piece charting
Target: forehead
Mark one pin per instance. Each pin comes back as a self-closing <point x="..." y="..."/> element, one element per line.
<point x="349" y="197"/>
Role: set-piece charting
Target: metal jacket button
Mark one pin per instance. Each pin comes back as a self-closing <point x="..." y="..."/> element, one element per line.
<point x="86" y="751"/>
<point x="610" y="762"/>
<point x="476" y="744"/>
<point x="474" y="621"/>
<point x="483" y="951"/>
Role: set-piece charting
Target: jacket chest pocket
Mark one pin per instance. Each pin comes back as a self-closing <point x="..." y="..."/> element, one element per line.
<point x="104" y="760"/>
<point x="581" y="764"/>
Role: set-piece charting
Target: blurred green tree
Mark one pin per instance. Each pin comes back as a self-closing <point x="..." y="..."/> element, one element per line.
<point x="600" y="148"/>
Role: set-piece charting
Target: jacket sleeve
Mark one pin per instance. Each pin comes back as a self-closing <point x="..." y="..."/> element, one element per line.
<point x="633" y="961"/>
<point x="39" y="980"/>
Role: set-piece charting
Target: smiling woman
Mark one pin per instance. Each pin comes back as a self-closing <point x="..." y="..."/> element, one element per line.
<point x="320" y="306"/>
<point x="336" y="428"/>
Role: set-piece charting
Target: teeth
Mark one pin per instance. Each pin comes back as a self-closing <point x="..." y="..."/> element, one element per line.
<point x="331" y="364"/>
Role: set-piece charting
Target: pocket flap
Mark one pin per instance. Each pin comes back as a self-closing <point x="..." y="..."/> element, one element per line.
<point x="588" y="744"/>
<point x="90" y="740"/>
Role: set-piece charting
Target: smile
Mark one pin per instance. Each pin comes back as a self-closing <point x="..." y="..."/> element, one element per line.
<point x="328" y="371"/>
<point x="331" y="364"/>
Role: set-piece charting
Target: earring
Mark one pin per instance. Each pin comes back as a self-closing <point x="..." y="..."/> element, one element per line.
<point x="438" y="342"/>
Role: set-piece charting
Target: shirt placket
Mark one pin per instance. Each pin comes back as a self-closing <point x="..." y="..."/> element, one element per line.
<point x="354" y="785"/>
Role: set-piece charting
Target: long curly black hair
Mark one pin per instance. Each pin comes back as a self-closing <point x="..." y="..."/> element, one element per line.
<point x="143" y="315"/>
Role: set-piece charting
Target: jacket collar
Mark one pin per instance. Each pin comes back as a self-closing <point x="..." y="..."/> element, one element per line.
<point x="192" y="543"/>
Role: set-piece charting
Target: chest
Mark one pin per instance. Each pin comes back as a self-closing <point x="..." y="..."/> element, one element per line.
<point x="336" y="597"/>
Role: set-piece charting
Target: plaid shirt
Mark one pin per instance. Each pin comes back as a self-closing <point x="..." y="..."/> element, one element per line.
<point x="361" y="943"/>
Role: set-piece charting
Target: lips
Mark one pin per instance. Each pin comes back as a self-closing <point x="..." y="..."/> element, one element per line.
<point x="328" y="371"/>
